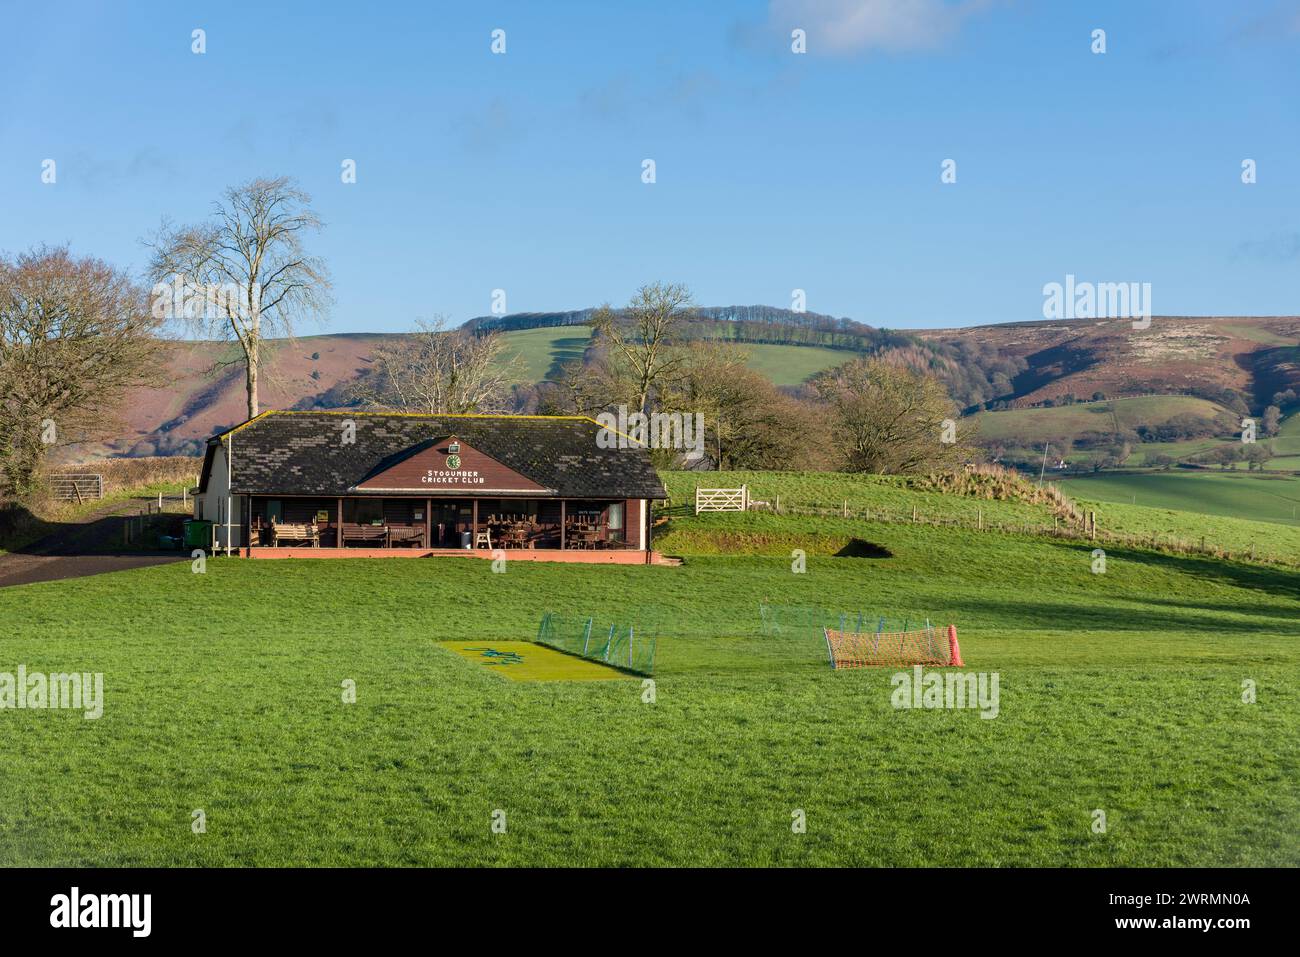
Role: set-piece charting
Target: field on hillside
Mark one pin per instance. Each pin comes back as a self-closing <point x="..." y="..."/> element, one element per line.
<point x="836" y="489"/>
<point x="1037" y="425"/>
<point x="541" y="352"/>
<point x="1120" y="691"/>
<point x="1268" y="502"/>
<point x="791" y="365"/>
<point x="1233" y="494"/>
<point x="1286" y="446"/>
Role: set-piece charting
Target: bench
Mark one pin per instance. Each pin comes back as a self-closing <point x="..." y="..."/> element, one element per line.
<point x="282" y="532"/>
<point x="365" y="533"/>
<point x="406" y="535"/>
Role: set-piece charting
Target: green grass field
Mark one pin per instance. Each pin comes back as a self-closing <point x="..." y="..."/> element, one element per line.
<point x="1234" y="494"/>
<point x="1119" y="691"/>
<point x="1286" y="446"/>
<point x="542" y="351"/>
<point x="1182" y="450"/>
<point x="791" y="365"/>
<point x="1036" y="425"/>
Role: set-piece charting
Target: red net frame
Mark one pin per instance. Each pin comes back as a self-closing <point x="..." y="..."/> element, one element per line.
<point x="897" y="648"/>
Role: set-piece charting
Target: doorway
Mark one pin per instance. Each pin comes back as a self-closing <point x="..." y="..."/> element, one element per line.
<point x="447" y="520"/>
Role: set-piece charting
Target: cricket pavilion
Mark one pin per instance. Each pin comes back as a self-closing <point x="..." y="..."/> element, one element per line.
<point x="332" y="484"/>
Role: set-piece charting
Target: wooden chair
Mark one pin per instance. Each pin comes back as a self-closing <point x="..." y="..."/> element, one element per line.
<point x="483" y="539"/>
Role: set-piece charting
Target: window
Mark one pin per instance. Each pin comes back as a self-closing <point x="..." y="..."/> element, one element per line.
<point x="616" y="517"/>
<point x="274" y="510"/>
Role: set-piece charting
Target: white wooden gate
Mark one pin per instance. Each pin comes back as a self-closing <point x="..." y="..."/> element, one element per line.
<point x="721" y="499"/>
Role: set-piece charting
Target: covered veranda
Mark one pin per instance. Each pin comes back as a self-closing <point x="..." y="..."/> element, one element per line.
<point x="438" y="523"/>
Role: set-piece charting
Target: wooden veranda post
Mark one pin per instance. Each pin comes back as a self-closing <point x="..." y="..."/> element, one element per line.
<point x="338" y="532"/>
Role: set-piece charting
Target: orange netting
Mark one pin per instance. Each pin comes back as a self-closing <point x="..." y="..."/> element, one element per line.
<point x="870" y="649"/>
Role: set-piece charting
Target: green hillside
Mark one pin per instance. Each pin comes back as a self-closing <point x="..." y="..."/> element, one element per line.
<point x="1235" y="494"/>
<point x="1286" y="446"/>
<point x="1038" y="425"/>
<point x="542" y="352"/>
<point x="1230" y="511"/>
<point x="791" y="365"/>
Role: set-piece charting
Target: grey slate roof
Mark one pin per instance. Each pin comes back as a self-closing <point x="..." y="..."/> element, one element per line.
<point x="301" y="453"/>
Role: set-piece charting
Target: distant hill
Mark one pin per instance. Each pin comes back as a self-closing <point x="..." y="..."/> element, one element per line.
<point x="1103" y="418"/>
<point x="1231" y="360"/>
<point x="1254" y="357"/>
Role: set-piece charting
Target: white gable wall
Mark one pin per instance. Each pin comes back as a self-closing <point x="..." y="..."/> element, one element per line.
<point x="213" y="504"/>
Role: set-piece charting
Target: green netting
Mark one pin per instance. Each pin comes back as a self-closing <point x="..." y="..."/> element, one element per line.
<point x="621" y="645"/>
<point x="803" y="621"/>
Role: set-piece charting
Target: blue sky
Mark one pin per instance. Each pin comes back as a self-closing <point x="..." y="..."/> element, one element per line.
<point x="775" y="171"/>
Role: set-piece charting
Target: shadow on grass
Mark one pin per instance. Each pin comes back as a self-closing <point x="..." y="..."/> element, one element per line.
<point x="1039" y="615"/>
<point x="563" y="351"/>
<point x="1275" y="580"/>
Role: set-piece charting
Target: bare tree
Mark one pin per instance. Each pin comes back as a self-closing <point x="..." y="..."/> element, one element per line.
<point x="245" y="276"/>
<point x="643" y="337"/>
<point x="75" y="334"/>
<point x="592" y="384"/>
<point x="889" y="418"/>
<point x="436" y="369"/>
<point x="749" y="422"/>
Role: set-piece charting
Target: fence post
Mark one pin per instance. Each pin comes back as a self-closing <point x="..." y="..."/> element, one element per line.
<point x="913" y="514"/>
<point x="846" y="508"/>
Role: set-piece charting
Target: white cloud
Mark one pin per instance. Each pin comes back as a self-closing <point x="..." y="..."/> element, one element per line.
<point x="850" y="26"/>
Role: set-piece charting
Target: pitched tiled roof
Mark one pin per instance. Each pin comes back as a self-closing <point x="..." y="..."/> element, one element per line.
<point x="301" y="453"/>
